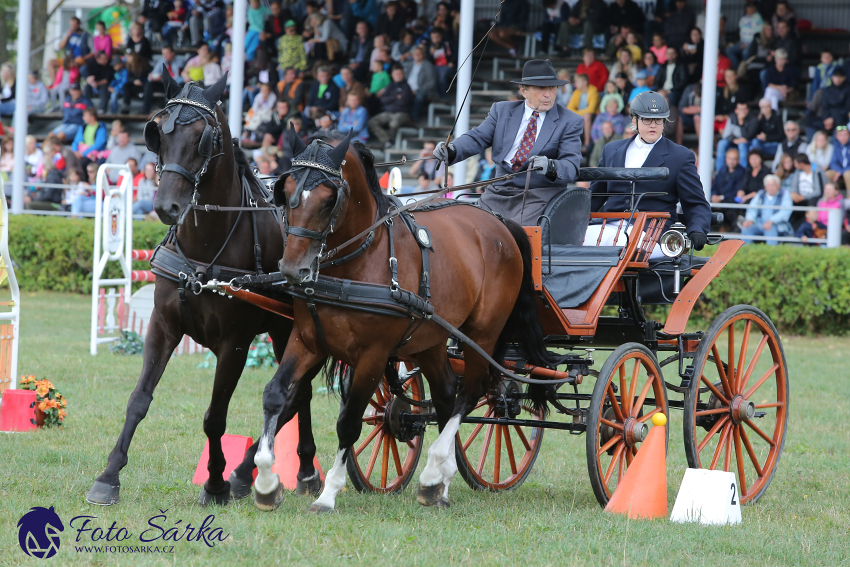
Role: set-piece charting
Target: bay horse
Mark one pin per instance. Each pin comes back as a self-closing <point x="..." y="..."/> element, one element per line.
<point x="479" y="281"/>
<point x="199" y="165"/>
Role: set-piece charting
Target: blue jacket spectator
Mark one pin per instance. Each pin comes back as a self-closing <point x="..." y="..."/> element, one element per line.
<point x="823" y="72"/>
<point x="724" y="188"/>
<point x="72" y="112"/>
<point x="78" y="44"/>
<point x="92" y="136"/>
<point x="324" y="94"/>
<point x="354" y="118"/>
<point x="839" y="167"/>
<point x="365" y="10"/>
<point x="768" y="222"/>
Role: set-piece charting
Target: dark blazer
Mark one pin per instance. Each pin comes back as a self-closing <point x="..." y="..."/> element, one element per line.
<point x="680" y="77"/>
<point x="683" y="185"/>
<point x="329" y="100"/>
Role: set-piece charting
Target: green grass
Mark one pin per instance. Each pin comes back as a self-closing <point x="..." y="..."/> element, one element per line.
<point x="553" y="519"/>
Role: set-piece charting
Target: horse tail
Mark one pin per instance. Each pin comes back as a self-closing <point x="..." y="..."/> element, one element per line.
<point x="523" y="326"/>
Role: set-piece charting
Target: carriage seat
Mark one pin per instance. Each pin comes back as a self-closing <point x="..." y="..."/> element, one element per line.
<point x="655" y="283"/>
<point x="565" y="218"/>
<point x="571" y="273"/>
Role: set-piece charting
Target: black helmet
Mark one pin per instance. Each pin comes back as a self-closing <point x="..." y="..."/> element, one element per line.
<point x="650" y="104"/>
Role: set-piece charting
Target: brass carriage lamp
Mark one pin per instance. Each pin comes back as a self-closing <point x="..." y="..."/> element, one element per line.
<point x="674" y="244"/>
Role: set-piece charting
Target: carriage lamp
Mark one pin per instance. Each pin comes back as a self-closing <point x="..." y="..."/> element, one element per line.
<point x="675" y="243"/>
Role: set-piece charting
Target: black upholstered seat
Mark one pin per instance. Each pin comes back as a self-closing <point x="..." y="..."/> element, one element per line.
<point x="565" y="219"/>
<point x="655" y="284"/>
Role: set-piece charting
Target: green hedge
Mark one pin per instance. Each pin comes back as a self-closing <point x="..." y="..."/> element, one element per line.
<point x="55" y="253"/>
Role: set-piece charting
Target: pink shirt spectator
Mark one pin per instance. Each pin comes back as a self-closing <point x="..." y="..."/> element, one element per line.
<point x="837" y="203"/>
<point x="73" y="75"/>
<point x="103" y="43"/>
<point x="660" y="53"/>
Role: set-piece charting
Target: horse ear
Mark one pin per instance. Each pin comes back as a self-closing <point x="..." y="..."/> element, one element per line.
<point x="213" y="93"/>
<point x="337" y="155"/>
<point x="296" y="144"/>
<point x="170" y="85"/>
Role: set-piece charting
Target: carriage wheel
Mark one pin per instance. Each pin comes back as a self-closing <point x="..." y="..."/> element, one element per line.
<point x="497" y="457"/>
<point x="386" y="458"/>
<point x="628" y="392"/>
<point x="736" y="411"/>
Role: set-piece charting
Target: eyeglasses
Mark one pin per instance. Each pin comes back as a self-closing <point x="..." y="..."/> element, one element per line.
<point x="651" y="121"/>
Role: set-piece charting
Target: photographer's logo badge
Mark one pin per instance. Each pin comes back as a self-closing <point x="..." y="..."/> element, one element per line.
<point x="38" y="532"/>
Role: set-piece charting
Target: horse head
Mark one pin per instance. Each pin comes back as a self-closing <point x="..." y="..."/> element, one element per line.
<point x="186" y="153"/>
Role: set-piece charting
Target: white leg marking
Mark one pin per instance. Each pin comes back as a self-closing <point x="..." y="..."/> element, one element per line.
<point x="267" y="481"/>
<point x="439" y="453"/>
<point x="449" y="468"/>
<point x="334" y="482"/>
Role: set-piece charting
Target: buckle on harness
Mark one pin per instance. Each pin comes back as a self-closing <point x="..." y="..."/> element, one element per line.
<point x="394" y="271"/>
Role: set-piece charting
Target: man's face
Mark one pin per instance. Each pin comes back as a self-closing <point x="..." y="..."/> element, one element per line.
<point x="791" y="131"/>
<point x="540" y="99"/>
<point x="804" y="166"/>
<point x="290" y="75"/>
<point x="346" y="76"/>
<point x="282" y="108"/>
<point x="780" y="62"/>
<point x="782" y="28"/>
<point x="167" y="54"/>
<point x="671" y="55"/>
<point x="765" y="107"/>
<point x="418" y="55"/>
<point x="843" y="136"/>
<point x="75" y="93"/>
<point x="826" y="58"/>
<point x="741" y="111"/>
<point x="650" y="132"/>
<point x="323" y="77"/>
<point x="361" y="29"/>
<point x="264" y="166"/>
<point x="103" y="59"/>
<point x="123" y="139"/>
<point x="607" y="129"/>
<point x="75" y="25"/>
<point x="781" y="10"/>
<point x="134" y="167"/>
<point x="771" y="187"/>
<point x="732" y="159"/>
<point x="838" y="80"/>
<point x="391" y="9"/>
<point x="588" y="58"/>
<point x="398" y="75"/>
<point x="275" y="9"/>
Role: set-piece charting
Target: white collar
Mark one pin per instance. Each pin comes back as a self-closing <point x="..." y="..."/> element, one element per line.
<point x="526" y="114"/>
<point x="641" y="145"/>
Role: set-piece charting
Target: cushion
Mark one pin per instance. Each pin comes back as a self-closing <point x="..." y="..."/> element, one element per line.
<point x="571" y="273"/>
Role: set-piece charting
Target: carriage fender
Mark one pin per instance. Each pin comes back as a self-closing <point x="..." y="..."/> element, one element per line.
<point x="687" y="298"/>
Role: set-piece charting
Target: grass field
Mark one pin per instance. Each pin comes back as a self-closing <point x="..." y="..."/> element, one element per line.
<point x="553" y="519"/>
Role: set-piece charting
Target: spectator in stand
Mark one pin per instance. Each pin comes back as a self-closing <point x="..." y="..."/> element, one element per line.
<point x="779" y="79"/>
<point x="807" y="182"/>
<point x="565" y="91"/>
<point x="349" y="85"/>
<point x="760" y="53"/>
<point x="137" y="75"/>
<point x="354" y="118"/>
<point x="612" y="106"/>
<point x="678" y="25"/>
<point x="770" y="133"/>
<point x="291" y="89"/>
<point x="595" y="71"/>
<point x="633" y="45"/>
<point x="429" y="166"/>
<point x="154" y="15"/>
<point x="207" y="19"/>
<point x="690" y="107"/>
<point x="585" y="103"/>
<point x="260" y="112"/>
<point x="784" y="14"/>
<point x="672" y="78"/>
<point x="659" y="48"/>
<point x="7" y="89"/>
<point x="403" y="50"/>
<point x="7" y="158"/>
<point x="167" y="63"/>
<point x="323" y="96"/>
<point x="360" y="50"/>
<point x="811" y="228"/>
<point x="618" y="40"/>
<point x="624" y="86"/>
<point x="832" y="199"/>
<point x="174" y="30"/>
<point x="823" y="72"/>
<point x="102" y="41"/>
<point x="135" y="174"/>
<point x="256" y="25"/>
<point x="442" y="56"/>
<point x="116" y="128"/>
<point x="212" y="69"/>
<point x="97" y="82"/>
<point x="786" y="39"/>
<point x="724" y="188"/>
<point x="146" y="191"/>
<point x="793" y="143"/>
<point x="785" y="170"/>
<point x="91" y="137"/>
<point x="550" y="25"/>
<point x="274" y="27"/>
<point x="768" y="222"/>
<point x="380" y="78"/>
<point x="741" y="127"/>
<point x="274" y="127"/>
<point x="72" y="113"/>
<point x="640" y="87"/>
<point x="608" y="136"/>
<point x="290" y="49"/>
<point x="820" y="150"/>
<point x="324" y="125"/>
<point x="748" y="26"/>
<point x="37" y="96"/>
<point x="118" y="83"/>
<point x="422" y="78"/>
<point x="692" y="54"/>
<point x="651" y="66"/>
<point x="835" y="105"/>
<point x="121" y="153"/>
<point x="730" y="95"/>
<point x="78" y="45"/>
<point x="587" y="18"/>
<point x="754" y="179"/>
<point x="624" y="64"/>
<point x="486" y="166"/>
<point x="194" y="69"/>
<point x="839" y="168"/>
<point x="137" y="43"/>
<point x="391" y="23"/>
<point x="328" y="41"/>
<point x="48" y="198"/>
<point x="625" y="13"/>
<point x="397" y="100"/>
<point x="33" y="159"/>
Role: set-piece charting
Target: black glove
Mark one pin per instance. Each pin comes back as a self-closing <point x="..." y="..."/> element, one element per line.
<point x="698" y="239"/>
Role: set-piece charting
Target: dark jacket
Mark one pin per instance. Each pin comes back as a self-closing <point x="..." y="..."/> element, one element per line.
<point x="329" y="100"/>
<point x="392" y="28"/>
<point x="677" y="28"/>
<point x="354" y="46"/>
<point x="726" y="104"/>
<point x="627" y="14"/>
<point x="51" y="194"/>
<point x="790" y="44"/>
<point x="72" y="110"/>
<point x="749" y="129"/>
<point x="595" y="11"/>
<point x="156" y="10"/>
<point x="772" y="127"/>
<point x="680" y="77"/>
<point x="750" y="184"/>
<point x="787" y="76"/>
<point x="397" y="97"/>
<point x="835" y="103"/>
<point x="683" y="185"/>
<point x="727" y="182"/>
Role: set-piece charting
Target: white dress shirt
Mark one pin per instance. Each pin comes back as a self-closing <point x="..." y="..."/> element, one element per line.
<point x="638" y="151"/>
<point x="526" y="116"/>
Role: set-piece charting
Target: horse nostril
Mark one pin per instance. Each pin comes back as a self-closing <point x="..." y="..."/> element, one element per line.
<point x="303" y="274"/>
<point x="174" y="211"/>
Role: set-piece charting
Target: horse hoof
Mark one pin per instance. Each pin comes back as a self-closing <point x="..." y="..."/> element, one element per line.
<point x="269" y="502"/>
<point x="317" y="508"/>
<point x="239" y="489"/>
<point x="102" y="494"/>
<point x="219" y="498"/>
<point x="430" y="495"/>
<point x="443" y="503"/>
<point x="311" y="486"/>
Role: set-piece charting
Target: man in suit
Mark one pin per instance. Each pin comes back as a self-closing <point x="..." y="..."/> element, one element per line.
<point x="536" y="134"/>
<point x="648" y="148"/>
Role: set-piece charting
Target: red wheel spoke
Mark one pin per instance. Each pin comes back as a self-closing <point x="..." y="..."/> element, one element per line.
<point x="727" y="460"/>
<point x="719" y="449"/>
<point x="374" y="456"/>
<point x="648" y="416"/>
<point x="373" y="418"/>
<point x="712" y="432"/>
<point x="749" y="446"/>
<point x="379" y="394"/>
<point x="742" y="356"/>
<point x="749" y="393"/>
<point x="629" y="455"/>
<point x="374" y="403"/>
<point x="730" y="373"/>
<point x="611" y="442"/>
<point x="475" y="431"/>
<point x="718" y="362"/>
<point x="486" y="446"/>
<point x="509" y="448"/>
<point x="385" y="461"/>
<point x="481" y="403"/>
<point x="720" y="396"/>
<point x="614" y="459"/>
<point x="523" y="438"/>
<point x="624" y="391"/>
<point x="620" y="468"/>
<point x="633" y="387"/>
<point x="712" y="411"/>
<point x="752" y="365"/>
<point x="368" y="440"/>
<point x="617" y="426"/>
<point x="614" y="404"/>
<point x="396" y="460"/>
<point x="411" y="444"/>
<point x="739" y="458"/>
<point x="761" y="433"/>
<point x="642" y="397"/>
<point x="773" y="405"/>
<point x="497" y="462"/>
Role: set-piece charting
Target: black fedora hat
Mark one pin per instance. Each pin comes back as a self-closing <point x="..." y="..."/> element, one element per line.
<point x="539" y="73"/>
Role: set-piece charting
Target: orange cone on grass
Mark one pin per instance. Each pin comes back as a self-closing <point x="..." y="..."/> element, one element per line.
<point x="286" y="455"/>
<point x="643" y="491"/>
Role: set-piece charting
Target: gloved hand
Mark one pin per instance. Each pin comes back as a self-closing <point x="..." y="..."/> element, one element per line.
<point x="698" y="239"/>
<point x="445" y="153"/>
<point x="541" y="163"/>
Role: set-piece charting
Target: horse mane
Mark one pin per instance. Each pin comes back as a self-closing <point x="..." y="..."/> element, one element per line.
<point x="243" y="169"/>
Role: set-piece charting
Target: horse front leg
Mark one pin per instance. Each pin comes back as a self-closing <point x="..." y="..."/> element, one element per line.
<point x="160" y="342"/>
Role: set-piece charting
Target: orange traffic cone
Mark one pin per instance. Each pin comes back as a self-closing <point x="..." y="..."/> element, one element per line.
<point x="234" y="448"/>
<point x="643" y="491"/>
<point x="384" y="181"/>
<point x="286" y="455"/>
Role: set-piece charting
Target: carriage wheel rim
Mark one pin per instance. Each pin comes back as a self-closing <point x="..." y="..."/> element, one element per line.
<point x="380" y="452"/>
<point x="737" y="430"/>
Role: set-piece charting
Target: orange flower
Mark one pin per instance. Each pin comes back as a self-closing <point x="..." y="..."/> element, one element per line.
<point x="27" y="379"/>
<point x="44" y="382"/>
<point x="43" y="406"/>
<point x="42" y="391"/>
<point x="62" y="414"/>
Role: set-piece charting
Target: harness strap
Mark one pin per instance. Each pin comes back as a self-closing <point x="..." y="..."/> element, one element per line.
<point x="180" y="170"/>
<point x="317" y="323"/>
<point x="185" y="310"/>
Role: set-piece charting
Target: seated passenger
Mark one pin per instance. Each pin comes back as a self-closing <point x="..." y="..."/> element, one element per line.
<point x="648" y="149"/>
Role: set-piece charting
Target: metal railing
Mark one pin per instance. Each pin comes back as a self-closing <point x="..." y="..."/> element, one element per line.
<point x="833" y="225"/>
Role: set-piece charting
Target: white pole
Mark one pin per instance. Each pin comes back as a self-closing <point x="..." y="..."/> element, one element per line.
<point x="237" y="68"/>
<point x="833" y="228"/>
<point x="464" y="78"/>
<point x="21" y="88"/>
<point x="709" y="92"/>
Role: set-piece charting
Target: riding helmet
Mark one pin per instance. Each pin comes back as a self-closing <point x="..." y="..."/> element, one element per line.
<point x="650" y="104"/>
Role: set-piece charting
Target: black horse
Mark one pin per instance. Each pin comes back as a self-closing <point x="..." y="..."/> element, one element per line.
<point x="238" y="233"/>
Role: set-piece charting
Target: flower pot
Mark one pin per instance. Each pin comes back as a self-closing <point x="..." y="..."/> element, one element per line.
<point x="39" y="418"/>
